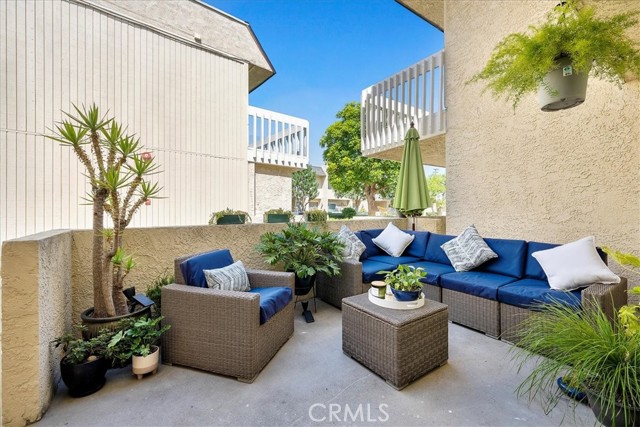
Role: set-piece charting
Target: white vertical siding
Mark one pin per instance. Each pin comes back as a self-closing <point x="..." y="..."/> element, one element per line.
<point x="187" y="105"/>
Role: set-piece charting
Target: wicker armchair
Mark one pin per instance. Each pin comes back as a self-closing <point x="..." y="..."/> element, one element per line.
<point x="220" y="331"/>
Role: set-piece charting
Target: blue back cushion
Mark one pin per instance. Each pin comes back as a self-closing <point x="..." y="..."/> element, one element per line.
<point x="272" y="300"/>
<point x="434" y="252"/>
<point x="534" y="270"/>
<point x="192" y="268"/>
<point x="511" y="257"/>
<point x="418" y="247"/>
<point x="372" y="249"/>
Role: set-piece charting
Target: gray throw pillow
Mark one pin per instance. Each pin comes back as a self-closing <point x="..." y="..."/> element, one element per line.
<point x="468" y="250"/>
<point x="353" y="247"/>
<point x="230" y="278"/>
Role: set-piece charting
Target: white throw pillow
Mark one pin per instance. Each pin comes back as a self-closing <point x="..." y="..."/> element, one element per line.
<point x="468" y="250"/>
<point x="230" y="278"/>
<point x="353" y="247"/>
<point x="393" y="241"/>
<point x="574" y="265"/>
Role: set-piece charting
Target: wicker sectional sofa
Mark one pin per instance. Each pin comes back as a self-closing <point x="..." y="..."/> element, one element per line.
<point x="493" y="298"/>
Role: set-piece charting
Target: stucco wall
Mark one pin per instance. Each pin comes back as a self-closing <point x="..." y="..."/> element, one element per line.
<point x="272" y="188"/>
<point x="36" y="296"/>
<point x="528" y="174"/>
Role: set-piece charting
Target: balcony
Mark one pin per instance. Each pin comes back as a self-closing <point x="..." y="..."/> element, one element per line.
<point x="277" y="139"/>
<point x="388" y="107"/>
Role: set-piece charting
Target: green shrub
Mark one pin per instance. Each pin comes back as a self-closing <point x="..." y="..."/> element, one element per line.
<point x="317" y="215"/>
<point x="349" y="213"/>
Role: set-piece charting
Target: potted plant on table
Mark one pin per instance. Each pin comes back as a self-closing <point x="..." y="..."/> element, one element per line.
<point x="84" y="365"/>
<point x="118" y="172"/>
<point x="555" y="58"/>
<point x="405" y="282"/>
<point x="305" y="252"/>
<point x="229" y="216"/>
<point x="601" y="355"/>
<point x="274" y="216"/>
<point x="137" y="340"/>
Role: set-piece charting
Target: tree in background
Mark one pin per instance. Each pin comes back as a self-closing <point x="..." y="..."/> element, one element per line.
<point x="437" y="184"/>
<point x="349" y="172"/>
<point x="304" y="188"/>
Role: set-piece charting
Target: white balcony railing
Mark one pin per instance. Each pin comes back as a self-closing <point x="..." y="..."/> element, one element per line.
<point x="278" y="139"/>
<point x="388" y="107"/>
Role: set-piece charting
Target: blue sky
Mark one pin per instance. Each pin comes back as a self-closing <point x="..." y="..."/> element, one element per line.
<point x="326" y="52"/>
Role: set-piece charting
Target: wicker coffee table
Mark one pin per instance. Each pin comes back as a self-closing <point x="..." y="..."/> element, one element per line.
<point x="398" y="345"/>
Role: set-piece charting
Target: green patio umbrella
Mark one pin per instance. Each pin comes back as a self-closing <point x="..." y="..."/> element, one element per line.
<point x="411" y="193"/>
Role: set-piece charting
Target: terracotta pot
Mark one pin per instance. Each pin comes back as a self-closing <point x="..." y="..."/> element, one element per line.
<point x="141" y="365"/>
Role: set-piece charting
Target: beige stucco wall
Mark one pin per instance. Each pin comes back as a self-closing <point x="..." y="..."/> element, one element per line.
<point x="36" y="297"/>
<point x="272" y="188"/>
<point x="528" y="174"/>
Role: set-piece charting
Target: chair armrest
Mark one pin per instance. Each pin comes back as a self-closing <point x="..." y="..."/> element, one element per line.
<point x="194" y="306"/>
<point x="270" y="279"/>
<point x="609" y="297"/>
<point x="332" y="289"/>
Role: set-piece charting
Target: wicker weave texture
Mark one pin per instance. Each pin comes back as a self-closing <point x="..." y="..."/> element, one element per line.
<point x="434" y="293"/>
<point x="333" y="289"/>
<point x="219" y="331"/>
<point x="472" y="311"/>
<point x="398" y="345"/>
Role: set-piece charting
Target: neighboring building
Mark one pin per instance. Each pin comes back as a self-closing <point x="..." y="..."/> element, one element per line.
<point x="329" y="201"/>
<point x="524" y="174"/>
<point x="177" y="73"/>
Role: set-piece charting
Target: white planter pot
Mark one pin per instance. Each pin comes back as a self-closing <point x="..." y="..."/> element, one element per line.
<point x="143" y="365"/>
<point x="571" y="88"/>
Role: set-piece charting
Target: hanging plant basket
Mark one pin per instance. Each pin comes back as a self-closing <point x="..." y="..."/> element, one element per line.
<point x="563" y="87"/>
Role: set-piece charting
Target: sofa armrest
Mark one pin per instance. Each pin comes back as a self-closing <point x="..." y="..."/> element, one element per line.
<point x="269" y="279"/>
<point x="210" y="308"/>
<point x="609" y="297"/>
<point x="332" y="289"/>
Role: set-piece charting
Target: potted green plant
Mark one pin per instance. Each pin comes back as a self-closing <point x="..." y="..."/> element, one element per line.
<point x="84" y="365"/>
<point x="304" y="251"/>
<point x="138" y="340"/>
<point x="602" y="355"/>
<point x="405" y="282"/>
<point x="229" y="216"/>
<point x="118" y="173"/>
<point x="316" y="215"/>
<point x="154" y="292"/>
<point x="555" y="58"/>
<point x="273" y="216"/>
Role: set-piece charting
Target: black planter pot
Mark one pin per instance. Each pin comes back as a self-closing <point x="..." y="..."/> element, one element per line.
<point x="304" y="286"/>
<point x="84" y="379"/>
<point x="603" y="415"/>
<point x="95" y="324"/>
<point x="231" y="219"/>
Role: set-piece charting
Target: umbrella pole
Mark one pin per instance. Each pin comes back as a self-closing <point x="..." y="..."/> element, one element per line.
<point x="413" y="223"/>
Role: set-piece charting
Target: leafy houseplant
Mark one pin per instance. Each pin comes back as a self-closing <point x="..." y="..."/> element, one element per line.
<point x="84" y="365"/>
<point x="119" y="176"/>
<point x="405" y="282"/>
<point x="279" y="215"/>
<point x="229" y="216"/>
<point x="521" y="62"/>
<point x="305" y="252"/>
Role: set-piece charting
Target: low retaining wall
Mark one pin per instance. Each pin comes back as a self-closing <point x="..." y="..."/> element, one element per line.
<point x="47" y="284"/>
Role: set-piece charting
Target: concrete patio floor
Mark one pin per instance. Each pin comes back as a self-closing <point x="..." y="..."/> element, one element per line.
<point x="310" y="382"/>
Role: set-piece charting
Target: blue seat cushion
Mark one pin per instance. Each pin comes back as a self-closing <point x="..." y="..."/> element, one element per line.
<point x="394" y="260"/>
<point x="527" y="292"/>
<point x="272" y="300"/>
<point x="533" y="270"/>
<point x="367" y="237"/>
<point x="434" y="271"/>
<point x="434" y="252"/>
<point x="370" y="270"/>
<point x="418" y="247"/>
<point x="511" y="257"/>
<point x="191" y="268"/>
<point x="476" y="283"/>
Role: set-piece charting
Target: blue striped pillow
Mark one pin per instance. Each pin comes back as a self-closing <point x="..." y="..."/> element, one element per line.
<point x="230" y="278"/>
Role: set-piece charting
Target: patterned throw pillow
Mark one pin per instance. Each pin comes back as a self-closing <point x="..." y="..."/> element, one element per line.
<point x="230" y="278"/>
<point x="353" y="247"/>
<point x="468" y="250"/>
